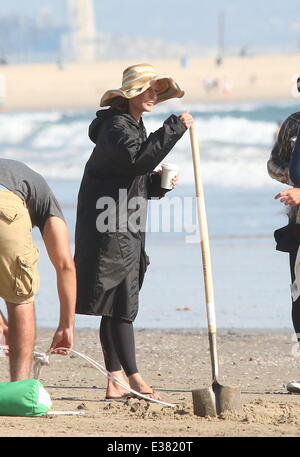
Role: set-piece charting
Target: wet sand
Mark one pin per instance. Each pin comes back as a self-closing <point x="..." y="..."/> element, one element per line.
<point x="174" y="363"/>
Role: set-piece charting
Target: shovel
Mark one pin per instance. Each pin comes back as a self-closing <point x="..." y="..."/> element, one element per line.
<point x="210" y="401"/>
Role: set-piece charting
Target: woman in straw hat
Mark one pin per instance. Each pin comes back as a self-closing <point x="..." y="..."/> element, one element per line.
<point x="118" y="180"/>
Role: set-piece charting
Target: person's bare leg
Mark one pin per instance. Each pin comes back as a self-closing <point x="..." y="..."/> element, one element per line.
<point x="21" y="339"/>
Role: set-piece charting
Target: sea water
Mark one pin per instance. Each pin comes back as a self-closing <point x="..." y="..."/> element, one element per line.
<point x="251" y="279"/>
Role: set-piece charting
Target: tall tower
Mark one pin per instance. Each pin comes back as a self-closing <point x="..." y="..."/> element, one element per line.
<point x="82" y="30"/>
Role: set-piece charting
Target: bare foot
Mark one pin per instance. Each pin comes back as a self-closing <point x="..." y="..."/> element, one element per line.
<point x="139" y="385"/>
<point x="114" y="390"/>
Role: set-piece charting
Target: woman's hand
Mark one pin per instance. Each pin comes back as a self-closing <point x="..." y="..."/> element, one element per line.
<point x="290" y="197"/>
<point x="186" y="119"/>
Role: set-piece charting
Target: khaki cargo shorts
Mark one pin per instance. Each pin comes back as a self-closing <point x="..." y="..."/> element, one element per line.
<point x="19" y="278"/>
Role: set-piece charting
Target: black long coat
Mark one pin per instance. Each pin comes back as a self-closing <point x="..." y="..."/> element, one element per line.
<point x="111" y="263"/>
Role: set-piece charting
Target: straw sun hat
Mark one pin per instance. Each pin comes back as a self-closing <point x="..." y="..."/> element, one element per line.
<point x="137" y="79"/>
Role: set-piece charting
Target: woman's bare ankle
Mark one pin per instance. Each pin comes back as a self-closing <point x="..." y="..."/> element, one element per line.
<point x="113" y="388"/>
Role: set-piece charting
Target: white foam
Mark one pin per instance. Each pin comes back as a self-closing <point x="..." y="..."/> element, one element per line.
<point x="58" y="136"/>
<point x="180" y="105"/>
<point x="16" y="127"/>
<point x="228" y="129"/>
<point x="234" y="148"/>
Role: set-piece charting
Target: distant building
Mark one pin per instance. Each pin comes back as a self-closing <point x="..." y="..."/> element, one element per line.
<point x="26" y="39"/>
<point x="78" y="44"/>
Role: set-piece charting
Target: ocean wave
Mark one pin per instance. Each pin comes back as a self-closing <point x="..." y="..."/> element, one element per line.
<point x="238" y="108"/>
<point x="229" y="130"/>
<point x="234" y="148"/>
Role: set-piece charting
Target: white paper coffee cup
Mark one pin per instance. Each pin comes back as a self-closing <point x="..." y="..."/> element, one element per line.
<point x="169" y="171"/>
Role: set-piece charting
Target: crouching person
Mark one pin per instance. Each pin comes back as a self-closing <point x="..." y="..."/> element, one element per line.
<point x="27" y="201"/>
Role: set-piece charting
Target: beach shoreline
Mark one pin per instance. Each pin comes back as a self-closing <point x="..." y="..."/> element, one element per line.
<point x="260" y="361"/>
<point x="80" y="86"/>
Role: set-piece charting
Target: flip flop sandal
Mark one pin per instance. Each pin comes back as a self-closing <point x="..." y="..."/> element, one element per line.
<point x="143" y="393"/>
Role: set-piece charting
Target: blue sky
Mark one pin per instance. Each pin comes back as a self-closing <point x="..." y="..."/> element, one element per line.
<point x="255" y="23"/>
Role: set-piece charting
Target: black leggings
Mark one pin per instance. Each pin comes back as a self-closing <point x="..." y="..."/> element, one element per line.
<point x="296" y="304"/>
<point x="118" y="346"/>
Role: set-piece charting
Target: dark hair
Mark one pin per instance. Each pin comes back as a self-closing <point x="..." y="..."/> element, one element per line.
<point x="120" y="103"/>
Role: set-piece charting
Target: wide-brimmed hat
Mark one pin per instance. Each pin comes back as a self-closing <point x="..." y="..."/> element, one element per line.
<point x="137" y="79"/>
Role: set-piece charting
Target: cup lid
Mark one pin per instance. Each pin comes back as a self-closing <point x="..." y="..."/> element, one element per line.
<point x="169" y="166"/>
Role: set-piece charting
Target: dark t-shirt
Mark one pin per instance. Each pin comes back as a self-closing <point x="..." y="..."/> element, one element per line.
<point x="32" y="188"/>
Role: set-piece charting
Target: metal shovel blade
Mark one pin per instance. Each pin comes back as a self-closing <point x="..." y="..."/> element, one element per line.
<point x="204" y="402"/>
<point x="214" y="400"/>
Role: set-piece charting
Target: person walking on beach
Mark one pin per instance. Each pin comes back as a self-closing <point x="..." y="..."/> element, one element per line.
<point x="110" y="257"/>
<point x="27" y="201"/>
<point x="282" y="167"/>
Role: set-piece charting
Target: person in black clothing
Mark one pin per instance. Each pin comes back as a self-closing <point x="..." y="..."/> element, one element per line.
<point x="284" y="166"/>
<point x="110" y="253"/>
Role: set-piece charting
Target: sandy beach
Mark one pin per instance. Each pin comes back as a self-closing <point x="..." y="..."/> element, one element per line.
<point x="80" y="85"/>
<point x="174" y="363"/>
<point x="261" y="362"/>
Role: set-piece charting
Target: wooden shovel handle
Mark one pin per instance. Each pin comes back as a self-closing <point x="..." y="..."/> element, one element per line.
<point x="206" y="258"/>
<point x="202" y="220"/>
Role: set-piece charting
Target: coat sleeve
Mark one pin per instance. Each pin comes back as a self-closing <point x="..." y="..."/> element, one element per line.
<point x="154" y="186"/>
<point x="127" y="156"/>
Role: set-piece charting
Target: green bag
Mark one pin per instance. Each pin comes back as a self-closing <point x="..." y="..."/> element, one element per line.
<point x="24" y="398"/>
